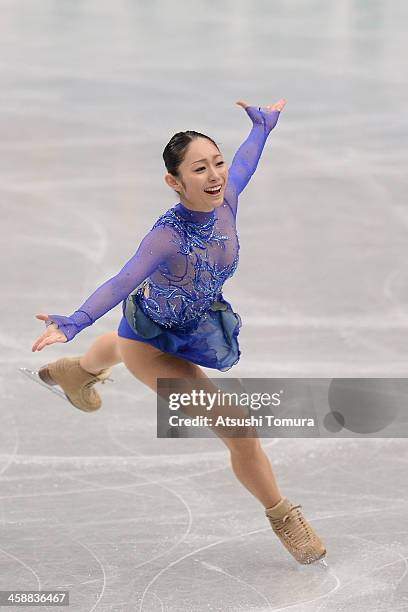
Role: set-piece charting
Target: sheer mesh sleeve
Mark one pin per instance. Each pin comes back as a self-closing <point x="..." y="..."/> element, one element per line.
<point x="247" y="157"/>
<point x="154" y="249"/>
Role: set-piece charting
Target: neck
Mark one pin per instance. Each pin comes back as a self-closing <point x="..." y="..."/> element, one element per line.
<point x="194" y="216"/>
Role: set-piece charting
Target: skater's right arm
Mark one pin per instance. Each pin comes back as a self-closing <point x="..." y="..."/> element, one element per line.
<point x="248" y="155"/>
<point x="154" y="249"/>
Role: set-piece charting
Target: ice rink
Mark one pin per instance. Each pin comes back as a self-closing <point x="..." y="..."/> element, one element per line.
<point x="91" y="93"/>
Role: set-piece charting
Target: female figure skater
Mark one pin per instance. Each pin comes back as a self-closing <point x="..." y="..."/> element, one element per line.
<point x="174" y="315"/>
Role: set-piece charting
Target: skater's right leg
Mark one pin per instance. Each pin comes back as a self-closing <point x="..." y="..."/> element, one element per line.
<point x="103" y="353"/>
<point x="78" y="375"/>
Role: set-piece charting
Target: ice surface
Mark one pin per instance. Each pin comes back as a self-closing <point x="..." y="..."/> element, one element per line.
<point x="91" y="93"/>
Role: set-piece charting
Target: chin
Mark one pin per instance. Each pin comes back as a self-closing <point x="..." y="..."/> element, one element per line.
<point x="216" y="203"/>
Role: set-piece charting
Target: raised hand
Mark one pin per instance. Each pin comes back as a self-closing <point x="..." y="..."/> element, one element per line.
<point x="51" y="335"/>
<point x="265" y="115"/>
<point x="278" y="106"/>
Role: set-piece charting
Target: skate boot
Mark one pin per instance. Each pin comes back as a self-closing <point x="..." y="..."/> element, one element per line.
<point x="76" y="382"/>
<point x="294" y="532"/>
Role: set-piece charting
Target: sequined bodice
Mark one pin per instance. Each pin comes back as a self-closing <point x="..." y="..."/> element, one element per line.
<point x="205" y="255"/>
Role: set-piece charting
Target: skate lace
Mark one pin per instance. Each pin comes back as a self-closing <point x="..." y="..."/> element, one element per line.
<point x="297" y="531"/>
<point x="97" y="379"/>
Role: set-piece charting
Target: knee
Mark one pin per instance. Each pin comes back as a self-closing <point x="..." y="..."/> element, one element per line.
<point x="243" y="447"/>
<point x="116" y="347"/>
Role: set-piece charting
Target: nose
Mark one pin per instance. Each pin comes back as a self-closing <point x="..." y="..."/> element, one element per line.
<point x="214" y="174"/>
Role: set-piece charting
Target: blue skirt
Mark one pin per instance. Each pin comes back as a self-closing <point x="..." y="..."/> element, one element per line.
<point x="213" y="344"/>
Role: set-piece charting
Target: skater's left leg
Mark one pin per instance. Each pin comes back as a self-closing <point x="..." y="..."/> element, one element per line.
<point x="103" y="353"/>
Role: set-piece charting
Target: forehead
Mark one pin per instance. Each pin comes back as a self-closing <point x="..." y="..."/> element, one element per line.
<point x="200" y="148"/>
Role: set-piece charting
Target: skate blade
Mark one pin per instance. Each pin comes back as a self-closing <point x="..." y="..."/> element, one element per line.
<point x="323" y="562"/>
<point x="33" y="374"/>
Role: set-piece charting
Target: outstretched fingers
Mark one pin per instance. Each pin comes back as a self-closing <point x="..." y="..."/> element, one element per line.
<point x="278" y="106"/>
<point x="242" y="103"/>
<point x="51" y="335"/>
<point x="40" y="342"/>
<point x="47" y="339"/>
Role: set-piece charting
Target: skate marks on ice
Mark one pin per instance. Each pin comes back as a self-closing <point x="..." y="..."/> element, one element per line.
<point x="78" y="532"/>
<point x="9" y="440"/>
<point x="249" y="585"/>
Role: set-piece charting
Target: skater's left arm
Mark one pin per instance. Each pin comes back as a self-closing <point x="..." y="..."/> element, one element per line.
<point x="247" y="157"/>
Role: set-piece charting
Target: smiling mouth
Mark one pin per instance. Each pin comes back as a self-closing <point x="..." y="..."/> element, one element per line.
<point x="213" y="190"/>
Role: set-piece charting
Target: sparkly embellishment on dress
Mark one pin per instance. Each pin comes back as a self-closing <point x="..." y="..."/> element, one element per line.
<point x="179" y="300"/>
<point x="195" y="234"/>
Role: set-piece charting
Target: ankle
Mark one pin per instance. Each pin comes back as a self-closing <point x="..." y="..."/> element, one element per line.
<point x="274" y="502"/>
<point x="87" y="369"/>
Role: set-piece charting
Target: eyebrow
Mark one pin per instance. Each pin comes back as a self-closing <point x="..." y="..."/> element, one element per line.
<point x="203" y="160"/>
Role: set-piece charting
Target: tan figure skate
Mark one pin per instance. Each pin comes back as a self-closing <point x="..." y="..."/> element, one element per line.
<point x="294" y="532"/>
<point x="76" y="382"/>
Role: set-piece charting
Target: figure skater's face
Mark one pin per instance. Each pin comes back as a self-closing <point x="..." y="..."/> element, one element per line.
<point x="202" y="176"/>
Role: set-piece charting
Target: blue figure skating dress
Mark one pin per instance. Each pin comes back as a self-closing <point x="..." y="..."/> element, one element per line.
<point x="172" y="287"/>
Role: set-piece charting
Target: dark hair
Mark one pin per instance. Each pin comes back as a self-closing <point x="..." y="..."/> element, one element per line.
<point x="175" y="150"/>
